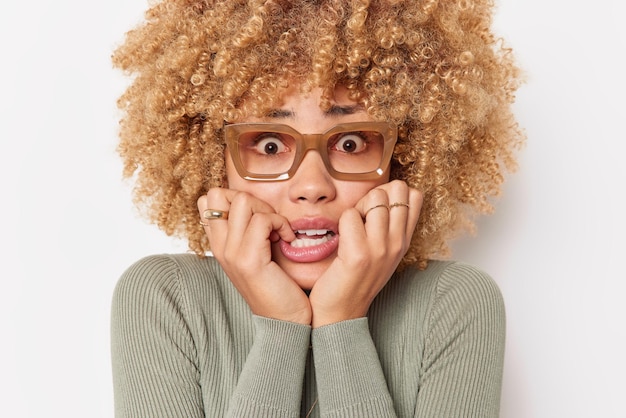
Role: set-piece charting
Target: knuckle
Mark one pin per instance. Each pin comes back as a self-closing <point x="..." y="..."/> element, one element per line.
<point x="398" y="186"/>
<point x="201" y="202"/>
<point x="241" y="199"/>
<point x="213" y="195"/>
<point x="379" y="252"/>
<point x="360" y="260"/>
<point x="379" y="195"/>
<point x="258" y="220"/>
<point x="237" y="198"/>
<point x="398" y="248"/>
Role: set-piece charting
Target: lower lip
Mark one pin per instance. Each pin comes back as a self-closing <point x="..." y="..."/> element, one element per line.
<point x="309" y="254"/>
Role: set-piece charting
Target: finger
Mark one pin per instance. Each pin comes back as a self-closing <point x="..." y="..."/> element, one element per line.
<point x="239" y="234"/>
<point x="244" y="207"/>
<point x="352" y="237"/>
<point x="405" y="205"/>
<point x="214" y="199"/>
<point x="271" y="226"/>
<point x="399" y="207"/>
<point x="416" y="200"/>
<point x="376" y="215"/>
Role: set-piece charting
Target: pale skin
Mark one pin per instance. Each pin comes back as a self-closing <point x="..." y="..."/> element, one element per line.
<point x="371" y="244"/>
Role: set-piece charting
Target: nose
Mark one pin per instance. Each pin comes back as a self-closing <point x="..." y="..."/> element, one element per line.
<point x="312" y="182"/>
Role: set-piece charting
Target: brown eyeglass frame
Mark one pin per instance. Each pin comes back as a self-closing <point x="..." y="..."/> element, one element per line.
<point x="306" y="142"/>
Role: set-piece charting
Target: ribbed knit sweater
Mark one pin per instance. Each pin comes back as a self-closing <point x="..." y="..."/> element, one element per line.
<point x="185" y="344"/>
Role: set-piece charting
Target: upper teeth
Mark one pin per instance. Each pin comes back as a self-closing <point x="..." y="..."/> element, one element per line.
<point x="312" y="232"/>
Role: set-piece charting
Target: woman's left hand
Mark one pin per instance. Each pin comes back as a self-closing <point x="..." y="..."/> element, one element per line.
<point x="374" y="236"/>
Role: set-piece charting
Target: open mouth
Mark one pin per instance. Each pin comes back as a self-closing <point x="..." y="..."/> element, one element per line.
<point x="316" y="240"/>
<point x="311" y="237"/>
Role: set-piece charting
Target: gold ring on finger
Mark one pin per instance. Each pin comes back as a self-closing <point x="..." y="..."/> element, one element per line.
<point x="215" y="214"/>
<point x="382" y="205"/>
<point x="396" y="204"/>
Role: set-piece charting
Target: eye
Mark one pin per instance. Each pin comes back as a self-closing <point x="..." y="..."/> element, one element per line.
<point x="352" y="142"/>
<point x="269" y="144"/>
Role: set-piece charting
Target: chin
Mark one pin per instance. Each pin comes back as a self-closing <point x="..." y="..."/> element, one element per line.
<point x="305" y="274"/>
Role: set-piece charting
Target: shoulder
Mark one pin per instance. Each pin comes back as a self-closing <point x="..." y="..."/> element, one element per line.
<point x="465" y="305"/>
<point x="166" y="276"/>
<point x="467" y="289"/>
<point x="450" y="280"/>
<point x="446" y="292"/>
<point x="160" y="264"/>
<point x="466" y="282"/>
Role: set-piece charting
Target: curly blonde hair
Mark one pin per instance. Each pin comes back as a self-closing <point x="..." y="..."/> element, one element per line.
<point x="433" y="67"/>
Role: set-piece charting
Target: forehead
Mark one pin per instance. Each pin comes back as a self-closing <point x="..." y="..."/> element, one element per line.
<point x="294" y="103"/>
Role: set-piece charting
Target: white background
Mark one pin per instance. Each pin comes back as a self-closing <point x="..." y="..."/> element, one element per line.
<point x="69" y="228"/>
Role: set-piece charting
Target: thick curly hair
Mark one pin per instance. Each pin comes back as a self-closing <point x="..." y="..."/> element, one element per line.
<point x="433" y="67"/>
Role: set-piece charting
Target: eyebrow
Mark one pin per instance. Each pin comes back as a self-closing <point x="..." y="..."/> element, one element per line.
<point x="334" y="110"/>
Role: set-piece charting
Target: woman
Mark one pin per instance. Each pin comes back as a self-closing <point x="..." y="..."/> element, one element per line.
<point x="324" y="152"/>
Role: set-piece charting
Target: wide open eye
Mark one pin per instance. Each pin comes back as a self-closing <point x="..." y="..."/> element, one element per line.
<point x="269" y="144"/>
<point x="352" y="142"/>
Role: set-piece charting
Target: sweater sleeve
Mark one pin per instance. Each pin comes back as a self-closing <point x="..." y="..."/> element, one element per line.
<point x="270" y="384"/>
<point x="350" y="380"/>
<point x="155" y="360"/>
<point x="464" y="350"/>
<point x="153" y="353"/>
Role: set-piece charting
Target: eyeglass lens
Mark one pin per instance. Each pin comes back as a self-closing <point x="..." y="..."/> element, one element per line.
<point x="263" y="152"/>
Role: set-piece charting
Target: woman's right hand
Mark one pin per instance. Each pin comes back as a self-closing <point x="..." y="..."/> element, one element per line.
<point x="242" y="245"/>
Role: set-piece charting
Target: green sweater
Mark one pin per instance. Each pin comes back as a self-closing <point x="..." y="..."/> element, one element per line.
<point x="185" y="344"/>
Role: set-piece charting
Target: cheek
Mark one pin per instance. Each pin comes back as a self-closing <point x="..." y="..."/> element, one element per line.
<point x="261" y="190"/>
<point x="352" y="192"/>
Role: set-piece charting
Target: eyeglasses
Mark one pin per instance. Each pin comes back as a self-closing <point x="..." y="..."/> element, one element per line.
<point x="350" y="151"/>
